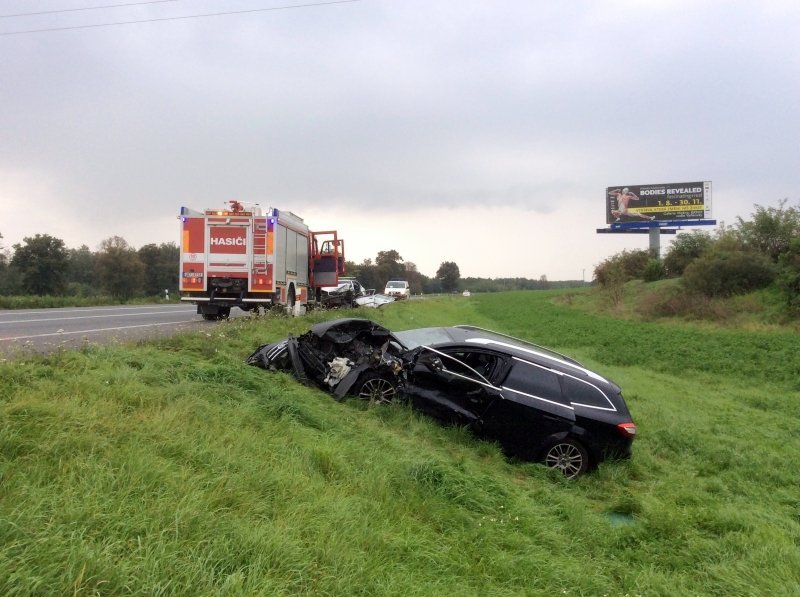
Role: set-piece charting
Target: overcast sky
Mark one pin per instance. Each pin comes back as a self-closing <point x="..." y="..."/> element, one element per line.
<point x="480" y="132"/>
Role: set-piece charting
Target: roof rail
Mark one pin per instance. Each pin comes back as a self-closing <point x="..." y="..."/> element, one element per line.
<point x="550" y="350"/>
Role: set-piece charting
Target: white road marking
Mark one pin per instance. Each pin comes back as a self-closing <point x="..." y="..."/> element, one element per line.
<point x="127" y="327"/>
<point x="86" y="309"/>
<point x="90" y="316"/>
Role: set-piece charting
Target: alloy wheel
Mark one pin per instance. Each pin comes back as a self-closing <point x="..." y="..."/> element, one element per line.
<point x="377" y="390"/>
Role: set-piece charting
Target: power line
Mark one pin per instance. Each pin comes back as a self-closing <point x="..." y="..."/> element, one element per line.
<point x="52" y="12"/>
<point x="197" y="16"/>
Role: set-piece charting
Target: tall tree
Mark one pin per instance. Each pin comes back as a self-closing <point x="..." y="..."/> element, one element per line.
<point x="390" y="266"/>
<point x="119" y="269"/>
<point x="5" y="287"/>
<point x="366" y="273"/>
<point x="81" y="270"/>
<point x="161" y="263"/>
<point x="41" y="262"/>
<point x="449" y="275"/>
<point x="414" y="277"/>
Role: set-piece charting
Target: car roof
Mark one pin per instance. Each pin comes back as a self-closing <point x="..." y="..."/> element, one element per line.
<point x="443" y="337"/>
<point x="343" y="330"/>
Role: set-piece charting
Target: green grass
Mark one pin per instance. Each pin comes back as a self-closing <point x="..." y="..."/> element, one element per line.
<point x="173" y="468"/>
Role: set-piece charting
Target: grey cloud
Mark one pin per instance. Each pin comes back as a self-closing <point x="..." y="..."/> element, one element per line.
<point x="382" y="104"/>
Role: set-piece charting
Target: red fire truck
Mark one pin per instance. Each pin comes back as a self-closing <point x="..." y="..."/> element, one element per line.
<point x="237" y="257"/>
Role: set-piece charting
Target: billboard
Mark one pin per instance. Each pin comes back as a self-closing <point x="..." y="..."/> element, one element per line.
<point x="659" y="202"/>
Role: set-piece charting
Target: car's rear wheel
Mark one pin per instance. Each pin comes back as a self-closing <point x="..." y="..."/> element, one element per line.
<point x="377" y="389"/>
<point x="569" y="456"/>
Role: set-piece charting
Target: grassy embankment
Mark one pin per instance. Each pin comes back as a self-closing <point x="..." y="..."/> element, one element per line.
<point x="173" y="468"/>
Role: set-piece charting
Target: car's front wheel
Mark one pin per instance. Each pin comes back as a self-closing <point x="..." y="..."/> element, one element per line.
<point x="377" y="388"/>
<point x="569" y="456"/>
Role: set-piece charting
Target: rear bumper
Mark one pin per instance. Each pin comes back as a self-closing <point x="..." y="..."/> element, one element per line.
<point x="224" y="299"/>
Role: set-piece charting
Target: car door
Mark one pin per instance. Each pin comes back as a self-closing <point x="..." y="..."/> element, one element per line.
<point x="533" y="408"/>
<point x="453" y="384"/>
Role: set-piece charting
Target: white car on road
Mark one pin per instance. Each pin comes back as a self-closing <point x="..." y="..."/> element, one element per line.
<point x="398" y="289"/>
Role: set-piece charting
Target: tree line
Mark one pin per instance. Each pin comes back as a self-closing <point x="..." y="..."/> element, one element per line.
<point x="42" y="265"/>
<point x="389" y="265"/>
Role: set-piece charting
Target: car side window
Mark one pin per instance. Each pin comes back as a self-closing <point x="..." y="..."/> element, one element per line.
<point x="468" y="363"/>
<point x="536" y="381"/>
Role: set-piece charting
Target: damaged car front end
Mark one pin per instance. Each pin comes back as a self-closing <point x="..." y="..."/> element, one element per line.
<point x="345" y="356"/>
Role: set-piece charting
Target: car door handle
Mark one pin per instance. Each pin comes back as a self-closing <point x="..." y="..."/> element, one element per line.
<point x="554" y="418"/>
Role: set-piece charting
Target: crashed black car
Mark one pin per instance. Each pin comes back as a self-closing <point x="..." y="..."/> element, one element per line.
<point x="538" y="404"/>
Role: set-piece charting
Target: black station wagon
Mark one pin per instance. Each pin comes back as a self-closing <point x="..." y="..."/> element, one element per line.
<point x="538" y="404"/>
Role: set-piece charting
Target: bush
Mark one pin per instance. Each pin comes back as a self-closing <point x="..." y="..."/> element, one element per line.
<point x="622" y="267"/>
<point x="685" y="249"/>
<point x="725" y="273"/>
<point x="789" y="278"/>
<point x="653" y="271"/>
<point x="771" y="229"/>
<point x="675" y="301"/>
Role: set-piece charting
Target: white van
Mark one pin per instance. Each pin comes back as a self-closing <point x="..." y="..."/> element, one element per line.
<point x="398" y="289"/>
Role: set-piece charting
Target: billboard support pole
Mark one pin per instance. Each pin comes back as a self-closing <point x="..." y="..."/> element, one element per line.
<point x="655" y="242"/>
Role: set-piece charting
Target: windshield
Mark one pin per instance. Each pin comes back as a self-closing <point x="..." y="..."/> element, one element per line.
<point x="396" y="284"/>
<point x="427" y="336"/>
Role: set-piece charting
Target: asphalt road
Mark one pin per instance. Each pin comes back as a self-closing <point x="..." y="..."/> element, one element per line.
<point x="44" y="330"/>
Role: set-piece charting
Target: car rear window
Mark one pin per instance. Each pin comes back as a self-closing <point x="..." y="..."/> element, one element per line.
<point x="582" y="393"/>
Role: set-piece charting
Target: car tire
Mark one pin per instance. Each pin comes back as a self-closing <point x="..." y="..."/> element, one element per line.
<point x="569" y="456"/>
<point x="376" y="388"/>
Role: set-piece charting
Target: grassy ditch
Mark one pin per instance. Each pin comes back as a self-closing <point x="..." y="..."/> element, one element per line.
<point x="170" y="467"/>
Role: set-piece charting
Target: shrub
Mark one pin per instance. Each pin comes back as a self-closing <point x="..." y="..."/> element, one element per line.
<point x="685" y="249"/>
<point x="622" y="267"/>
<point x="771" y="229"/>
<point x="789" y="277"/>
<point x="725" y="273"/>
<point x="654" y="270"/>
<point x="676" y="301"/>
